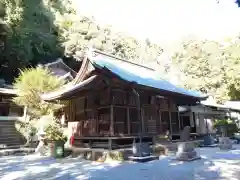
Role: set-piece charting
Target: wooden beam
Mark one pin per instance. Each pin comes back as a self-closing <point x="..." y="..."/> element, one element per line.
<point x="179" y="123"/>
<point x="128" y="121"/>
<point x="111" y="121"/>
<point x="111" y="128"/>
<point x="110" y="144"/>
<point x="160" y="121"/>
<point x="73" y="109"/>
<point x="170" y="120"/>
<point x="142" y="120"/>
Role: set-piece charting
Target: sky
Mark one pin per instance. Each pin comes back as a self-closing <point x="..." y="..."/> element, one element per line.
<point x="166" y="21"/>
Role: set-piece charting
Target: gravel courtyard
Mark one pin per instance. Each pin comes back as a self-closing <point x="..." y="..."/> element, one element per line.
<point x="214" y="165"/>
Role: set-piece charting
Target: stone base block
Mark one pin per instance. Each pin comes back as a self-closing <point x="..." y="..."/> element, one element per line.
<point x="143" y="159"/>
<point x="102" y="155"/>
<point x="208" y="140"/>
<point x="186" y="152"/>
<point x="190" y="159"/>
<point x="186" y="156"/>
<point x="225" y="143"/>
<point x="212" y="145"/>
<point x="159" y="150"/>
<point x="226" y="146"/>
<point x="141" y="149"/>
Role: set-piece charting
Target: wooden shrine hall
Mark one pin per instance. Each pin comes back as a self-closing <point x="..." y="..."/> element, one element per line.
<point x="112" y="101"/>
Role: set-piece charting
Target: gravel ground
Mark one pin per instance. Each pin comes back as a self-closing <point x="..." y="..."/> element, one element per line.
<point x="214" y="165"/>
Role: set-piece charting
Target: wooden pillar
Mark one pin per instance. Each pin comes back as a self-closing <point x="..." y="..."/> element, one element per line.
<point x="142" y="120"/>
<point x="97" y="121"/>
<point x="179" y="122"/>
<point x="110" y="144"/>
<point x="170" y="116"/>
<point x="170" y="121"/>
<point x="128" y="114"/>
<point x="111" y="128"/>
<point x="71" y="110"/>
<point x="111" y="121"/>
<point x="128" y="121"/>
<point x="160" y="122"/>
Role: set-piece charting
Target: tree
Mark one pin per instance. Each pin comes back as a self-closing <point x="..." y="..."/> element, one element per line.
<point x="80" y="32"/>
<point x="42" y="30"/>
<point x="30" y="85"/>
<point x="211" y="67"/>
<point x="32" y="37"/>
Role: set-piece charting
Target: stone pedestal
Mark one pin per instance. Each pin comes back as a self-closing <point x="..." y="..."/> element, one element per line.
<point x="225" y="143"/>
<point x="142" y="153"/>
<point x="141" y="149"/>
<point x="186" y="152"/>
<point x="208" y="141"/>
<point x="41" y="148"/>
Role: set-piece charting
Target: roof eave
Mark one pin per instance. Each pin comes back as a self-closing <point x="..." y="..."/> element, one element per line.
<point x="7" y="91"/>
<point x="67" y="91"/>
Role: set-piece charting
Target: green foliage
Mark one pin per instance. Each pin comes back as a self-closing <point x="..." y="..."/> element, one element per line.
<point x="211" y="67"/>
<point x="27" y="129"/>
<point x="229" y="125"/>
<point x="39" y="30"/>
<point x="54" y="132"/>
<point x="221" y="122"/>
<point x="32" y="32"/>
<point x="115" y="156"/>
<point x="32" y="36"/>
<point x="80" y="32"/>
<point x="31" y="84"/>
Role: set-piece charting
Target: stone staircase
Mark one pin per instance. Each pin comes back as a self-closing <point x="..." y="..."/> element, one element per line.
<point x="9" y="136"/>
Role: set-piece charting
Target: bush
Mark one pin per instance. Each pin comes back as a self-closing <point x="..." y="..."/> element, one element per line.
<point x="26" y="129"/>
<point x="55" y="133"/>
<point x="228" y="125"/>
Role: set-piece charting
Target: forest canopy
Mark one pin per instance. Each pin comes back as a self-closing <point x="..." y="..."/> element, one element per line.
<point x="42" y="30"/>
<point x="39" y="31"/>
<point x="211" y="67"/>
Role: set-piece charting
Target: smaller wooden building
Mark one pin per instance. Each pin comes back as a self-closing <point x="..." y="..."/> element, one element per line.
<point x="113" y="102"/>
<point x="60" y="69"/>
<point x="201" y="117"/>
<point x="7" y="107"/>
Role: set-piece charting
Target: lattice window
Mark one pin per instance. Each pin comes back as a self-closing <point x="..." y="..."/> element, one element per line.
<point x="165" y="121"/>
<point x="133" y="113"/>
<point x="104" y="121"/>
<point x="163" y="104"/>
<point x="120" y="120"/>
<point x="119" y="97"/>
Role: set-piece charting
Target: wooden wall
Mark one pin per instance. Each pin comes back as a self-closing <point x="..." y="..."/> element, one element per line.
<point x="114" y="113"/>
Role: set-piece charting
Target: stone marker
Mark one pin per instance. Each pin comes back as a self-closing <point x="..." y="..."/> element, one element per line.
<point x="225" y="143"/>
<point x="142" y="153"/>
<point x="185" y="134"/>
<point x="186" y="151"/>
<point x="208" y="141"/>
<point x="41" y="148"/>
<point x="141" y="149"/>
